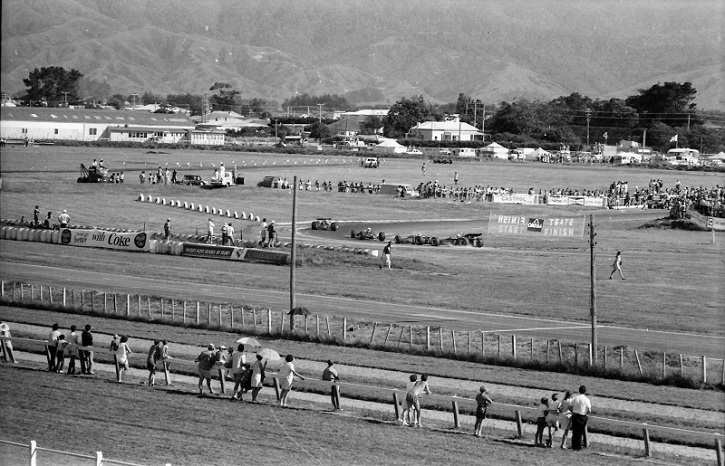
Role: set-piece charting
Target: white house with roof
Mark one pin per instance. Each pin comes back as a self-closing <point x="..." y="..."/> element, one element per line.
<point x="227" y="121"/>
<point x="45" y="123"/>
<point x="451" y="130"/>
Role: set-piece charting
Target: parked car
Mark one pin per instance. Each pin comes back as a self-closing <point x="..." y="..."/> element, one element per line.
<point x="270" y="182"/>
<point x="371" y="162"/>
<point x="224" y="181"/>
<point x="193" y="180"/>
<point x="442" y="160"/>
<point x="324" y="224"/>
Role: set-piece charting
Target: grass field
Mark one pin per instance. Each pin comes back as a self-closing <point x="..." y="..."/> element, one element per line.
<point x="674" y="283"/>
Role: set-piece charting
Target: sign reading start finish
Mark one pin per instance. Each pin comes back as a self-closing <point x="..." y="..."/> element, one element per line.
<point x="547" y="226"/>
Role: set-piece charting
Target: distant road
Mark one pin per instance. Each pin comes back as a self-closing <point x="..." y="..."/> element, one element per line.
<point x="673" y="342"/>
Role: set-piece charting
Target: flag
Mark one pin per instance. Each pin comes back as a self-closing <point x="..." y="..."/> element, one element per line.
<point x="674" y="138"/>
<point x="605" y="135"/>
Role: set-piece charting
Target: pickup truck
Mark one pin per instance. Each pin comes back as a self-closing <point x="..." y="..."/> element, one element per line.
<point x="221" y="182"/>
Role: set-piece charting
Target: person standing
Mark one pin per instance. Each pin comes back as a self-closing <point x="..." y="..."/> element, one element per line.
<point x="271" y="234"/>
<point x="581" y="406"/>
<point x="36" y="216"/>
<point x="173" y="177"/>
<point x="122" y="354"/>
<point x="238" y="362"/>
<point x="114" y="343"/>
<point x="53" y="346"/>
<point x="386" y="255"/>
<point x="142" y="177"/>
<point x="230" y="233"/>
<point x="167" y="229"/>
<point x="405" y="414"/>
<point x="565" y="417"/>
<point x="288" y="374"/>
<point x="617" y="265"/>
<point x="263" y="233"/>
<point x="423" y="169"/>
<point x="60" y="354"/>
<point x="64" y="219"/>
<point x="72" y="349"/>
<point x="330" y="375"/>
<point x="210" y="231"/>
<point x="151" y="362"/>
<point x="413" y="399"/>
<point x="86" y="355"/>
<point x="48" y="220"/>
<point x="258" y="369"/>
<point x="205" y="363"/>
<point x="482" y="401"/>
<point x="455" y="178"/>
<point x="224" y="233"/>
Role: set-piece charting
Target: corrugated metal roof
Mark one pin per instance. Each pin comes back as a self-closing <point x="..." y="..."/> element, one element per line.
<point x="109" y="117"/>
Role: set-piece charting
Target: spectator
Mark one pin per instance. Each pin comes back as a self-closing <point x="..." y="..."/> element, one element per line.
<point x="72" y="349"/>
<point x="552" y="417"/>
<point x="258" y="374"/>
<point x="121" y="177"/>
<point x="271" y="234"/>
<point x="114" y="343"/>
<point x="151" y="362"/>
<point x="617" y="265"/>
<point x="60" y="354"/>
<point x="206" y="362"/>
<point x="7" y="346"/>
<point x="167" y="229"/>
<point x="405" y="415"/>
<point x="64" y="219"/>
<point x="239" y="360"/>
<point x="413" y="399"/>
<point x="142" y="177"/>
<point x="210" y="232"/>
<point x="122" y="354"/>
<point x="386" y="256"/>
<point x="482" y="401"/>
<point x="263" y="233"/>
<point x="221" y="356"/>
<point x="36" y="216"/>
<point x="230" y="233"/>
<point x="224" y="233"/>
<point x="86" y="356"/>
<point x="173" y="177"/>
<point x="162" y="354"/>
<point x="48" y="219"/>
<point x="330" y="375"/>
<point x="288" y="374"/>
<point x="541" y="412"/>
<point x="53" y="347"/>
<point x="580" y="408"/>
<point x="565" y="417"/>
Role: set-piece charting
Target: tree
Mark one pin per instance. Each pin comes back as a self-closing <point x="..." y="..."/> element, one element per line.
<point x="225" y="97"/>
<point x="371" y="124"/>
<point x="405" y="114"/>
<point x="671" y="103"/>
<point x="89" y="89"/>
<point x="52" y="86"/>
<point x="521" y="117"/>
<point x="318" y="130"/>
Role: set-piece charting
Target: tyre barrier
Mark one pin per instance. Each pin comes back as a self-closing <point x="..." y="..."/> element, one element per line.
<point x="163" y="201"/>
<point x="158" y="200"/>
<point x="172" y="203"/>
<point x="206" y="209"/>
<point x="244" y="216"/>
<point x="229" y="214"/>
<point x="141" y="197"/>
<point x="258" y="220"/>
<point x="236" y="215"/>
<point x="186" y="205"/>
<point x="192" y="206"/>
<point x="251" y="216"/>
<point x="213" y="210"/>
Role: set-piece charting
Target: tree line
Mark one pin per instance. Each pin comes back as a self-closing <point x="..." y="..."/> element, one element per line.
<point x="652" y="116"/>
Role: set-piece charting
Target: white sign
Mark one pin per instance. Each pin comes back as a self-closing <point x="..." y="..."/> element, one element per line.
<point x="131" y="241"/>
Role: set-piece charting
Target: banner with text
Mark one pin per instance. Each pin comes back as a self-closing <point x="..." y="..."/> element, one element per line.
<point x="586" y="201"/>
<point x="503" y="224"/>
<point x="526" y="199"/>
<point x="213" y="251"/>
<point x="129" y="241"/>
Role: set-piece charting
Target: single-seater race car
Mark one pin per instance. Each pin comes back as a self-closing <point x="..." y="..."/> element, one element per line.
<point x="416" y="239"/>
<point x="367" y="234"/>
<point x="473" y="239"/>
<point x="324" y="224"/>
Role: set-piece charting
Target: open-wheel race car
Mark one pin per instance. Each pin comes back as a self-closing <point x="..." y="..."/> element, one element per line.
<point x="473" y="239"/>
<point x="367" y="234"/>
<point x="324" y="224"/>
<point x="416" y="239"/>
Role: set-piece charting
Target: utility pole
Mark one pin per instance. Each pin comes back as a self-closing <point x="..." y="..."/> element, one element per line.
<point x="133" y="96"/>
<point x="320" y="107"/>
<point x="293" y="255"/>
<point x="589" y="117"/>
<point x="65" y="97"/>
<point x="483" y="122"/>
<point x="593" y="297"/>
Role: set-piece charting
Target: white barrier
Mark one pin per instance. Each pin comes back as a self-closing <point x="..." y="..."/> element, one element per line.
<point x="186" y="205"/>
<point x="258" y="218"/>
<point x="206" y="209"/>
<point x="158" y="200"/>
<point x="228" y="213"/>
<point x="150" y="198"/>
<point x="244" y="215"/>
<point x="236" y="215"/>
<point x="213" y="210"/>
<point x="163" y="201"/>
<point x="199" y="208"/>
<point x="141" y="197"/>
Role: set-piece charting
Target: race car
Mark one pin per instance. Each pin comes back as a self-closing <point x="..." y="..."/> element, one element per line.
<point x="324" y="224"/>
<point x="416" y="239"/>
<point x="367" y="234"/>
<point x="472" y="239"/>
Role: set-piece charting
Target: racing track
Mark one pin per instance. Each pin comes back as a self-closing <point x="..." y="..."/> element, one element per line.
<point x="674" y="342"/>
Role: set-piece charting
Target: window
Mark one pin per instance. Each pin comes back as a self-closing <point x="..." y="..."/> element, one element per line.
<point x="56" y="131"/>
<point x="93" y="131"/>
<point x="24" y="131"/>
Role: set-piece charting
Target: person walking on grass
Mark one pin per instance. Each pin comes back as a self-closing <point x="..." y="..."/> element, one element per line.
<point x="482" y="401"/>
<point x="122" y="354"/>
<point x="617" y="265"/>
<point x="288" y="374"/>
<point x="330" y="375"/>
<point x="53" y="347"/>
<point x="258" y="375"/>
<point x="239" y="360"/>
<point x="205" y="363"/>
<point x="386" y="256"/>
<point x="151" y="363"/>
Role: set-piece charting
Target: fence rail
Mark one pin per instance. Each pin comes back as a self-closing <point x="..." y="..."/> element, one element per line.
<point x="476" y="344"/>
<point x="33" y="450"/>
<point x="514" y="411"/>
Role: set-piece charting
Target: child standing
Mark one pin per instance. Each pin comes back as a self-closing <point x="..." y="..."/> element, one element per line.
<point x="483" y="400"/>
<point x="542" y="410"/>
<point x="60" y="354"/>
<point x="122" y="354"/>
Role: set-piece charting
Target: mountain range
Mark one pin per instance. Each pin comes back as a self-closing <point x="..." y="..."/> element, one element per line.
<point x="491" y="50"/>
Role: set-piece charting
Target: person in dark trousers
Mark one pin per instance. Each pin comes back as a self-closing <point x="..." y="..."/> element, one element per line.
<point x="386" y="255"/>
<point x="86" y="356"/>
<point x="580" y="408"/>
<point x="36" y="216"/>
<point x="271" y="234"/>
<point x="167" y="228"/>
<point x="53" y="346"/>
<point x="330" y="375"/>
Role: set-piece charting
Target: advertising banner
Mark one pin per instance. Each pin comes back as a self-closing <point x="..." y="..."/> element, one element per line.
<point x="557" y="200"/>
<point x="527" y="199"/>
<point x="536" y="225"/>
<point x="129" y="241"/>
<point x="213" y="251"/>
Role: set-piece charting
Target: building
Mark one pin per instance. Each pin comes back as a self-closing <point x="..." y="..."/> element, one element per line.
<point x="450" y="130"/>
<point x="44" y="123"/>
<point x="227" y="121"/>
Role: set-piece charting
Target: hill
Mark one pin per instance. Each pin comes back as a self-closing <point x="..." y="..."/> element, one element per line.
<point x="273" y="49"/>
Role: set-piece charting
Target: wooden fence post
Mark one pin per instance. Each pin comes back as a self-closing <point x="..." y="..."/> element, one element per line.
<point x="41" y="293"/>
<point x="387" y="334"/>
<point x="519" y="427"/>
<point x="2" y="288"/>
<point x="32" y="291"/>
<point x="532" y="349"/>
<point x="576" y="354"/>
<point x="148" y="305"/>
<point x="372" y="334"/>
<point x="513" y="346"/>
<point x="183" y="313"/>
<point x="440" y="334"/>
<point x="138" y="305"/>
<point x="93" y="306"/>
<point x="704" y="369"/>
<point x="33" y="452"/>
<point x="548" y="345"/>
<point x="591" y="354"/>
<point x="664" y="364"/>
<point x="456" y="421"/>
<point x="197" y="313"/>
<point x="276" y="387"/>
<point x="621" y="359"/>
<point x="400" y="338"/>
<point x="639" y="365"/>
<point x="561" y="356"/>
<point x="427" y="338"/>
<point x="83" y="299"/>
<point x="64" y="301"/>
<point x="411" y="337"/>
<point x="231" y="315"/>
<point x="269" y="321"/>
<point x="307" y="333"/>
<point x="718" y="448"/>
<point x="317" y="326"/>
<point x="344" y="329"/>
<point x="469" y="342"/>
<point x="128" y="305"/>
<point x="396" y="405"/>
<point x="173" y="309"/>
<point x="50" y="294"/>
<point x="327" y="321"/>
<point x="647" y="450"/>
<point x="483" y="341"/>
<point x="220" y="315"/>
<point x="453" y="337"/>
<point x="723" y="371"/>
<point x="115" y="307"/>
<point x="498" y="341"/>
<point x="105" y="301"/>
<point x="208" y="314"/>
<point x="605" y="357"/>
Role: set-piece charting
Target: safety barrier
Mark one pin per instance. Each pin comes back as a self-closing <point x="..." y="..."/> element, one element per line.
<point x="199" y="208"/>
<point x="34" y="457"/>
<point x="515" y="411"/>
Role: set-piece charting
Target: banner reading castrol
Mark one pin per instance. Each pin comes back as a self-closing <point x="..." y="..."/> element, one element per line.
<point x="526" y="199"/>
<point x="129" y="241"/>
<point x="536" y="225"/>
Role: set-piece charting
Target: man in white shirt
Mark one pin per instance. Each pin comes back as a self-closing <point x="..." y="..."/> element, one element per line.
<point x="580" y="408"/>
<point x="230" y="233"/>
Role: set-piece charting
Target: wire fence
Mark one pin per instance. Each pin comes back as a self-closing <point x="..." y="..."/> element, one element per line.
<point x="34" y="455"/>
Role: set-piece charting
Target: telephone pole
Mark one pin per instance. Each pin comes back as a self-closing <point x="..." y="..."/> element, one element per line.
<point x="589" y="117"/>
<point x="320" y="107"/>
<point x="593" y="283"/>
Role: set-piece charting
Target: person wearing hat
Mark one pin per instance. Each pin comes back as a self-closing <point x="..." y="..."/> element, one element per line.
<point x="483" y="400"/>
<point x="7" y="346"/>
<point x="205" y="363"/>
<point x="64" y="219"/>
<point x="167" y="229"/>
<point x="330" y="375"/>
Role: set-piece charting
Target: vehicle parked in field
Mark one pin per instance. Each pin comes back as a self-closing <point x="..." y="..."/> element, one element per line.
<point x="192" y="180"/>
<point x="371" y="162"/>
<point x="324" y="224"/>
<point x="399" y="189"/>
<point x="93" y="175"/>
<point x="442" y="160"/>
<point x="222" y="181"/>
<point x="367" y="234"/>
<point x="270" y="182"/>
